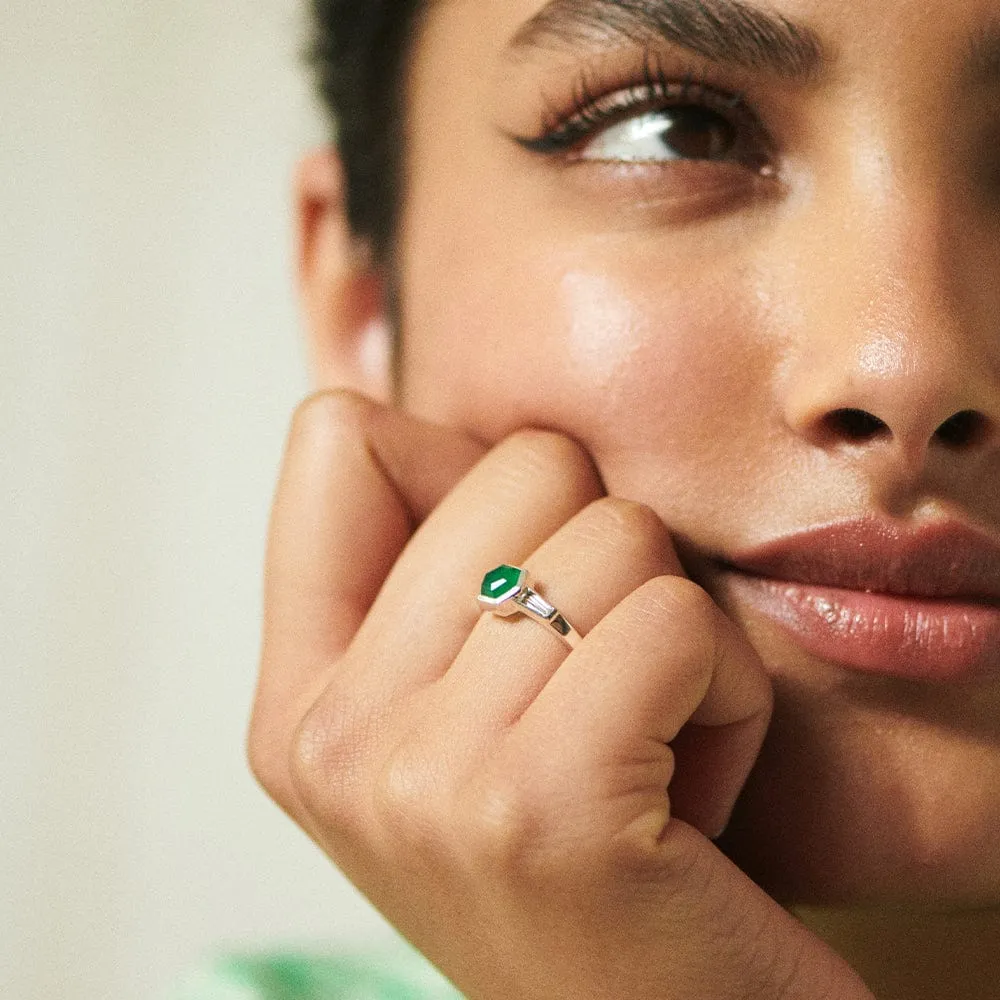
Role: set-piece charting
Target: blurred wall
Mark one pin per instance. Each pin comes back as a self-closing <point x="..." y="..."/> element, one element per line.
<point x="150" y="358"/>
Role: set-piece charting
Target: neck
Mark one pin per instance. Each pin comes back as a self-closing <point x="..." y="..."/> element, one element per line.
<point x="915" y="954"/>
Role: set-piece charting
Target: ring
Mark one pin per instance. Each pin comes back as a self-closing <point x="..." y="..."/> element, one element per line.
<point x="507" y="591"/>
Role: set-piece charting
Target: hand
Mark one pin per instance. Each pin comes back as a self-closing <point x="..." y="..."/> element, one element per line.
<point x="502" y="801"/>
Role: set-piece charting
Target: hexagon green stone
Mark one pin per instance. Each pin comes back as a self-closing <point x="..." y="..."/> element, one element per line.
<point x="500" y="584"/>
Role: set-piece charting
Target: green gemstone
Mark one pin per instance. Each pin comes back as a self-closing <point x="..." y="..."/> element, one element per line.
<point x="501" y="583"/>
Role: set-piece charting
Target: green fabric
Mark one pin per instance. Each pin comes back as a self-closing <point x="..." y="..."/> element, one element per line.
<point x="395" y="975"/>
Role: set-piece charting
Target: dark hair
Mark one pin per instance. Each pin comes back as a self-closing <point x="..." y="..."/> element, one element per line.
<point x="358" y="51"/>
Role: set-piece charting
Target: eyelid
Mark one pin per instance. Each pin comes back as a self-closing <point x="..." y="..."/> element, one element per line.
<point x="595" y="106"/>
<point x="631" y="102"/>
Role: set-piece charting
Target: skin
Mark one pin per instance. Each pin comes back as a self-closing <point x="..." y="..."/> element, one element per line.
<point x="691" y="327"/>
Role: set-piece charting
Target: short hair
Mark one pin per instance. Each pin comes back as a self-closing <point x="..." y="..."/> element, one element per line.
<point x="358" y="51"/>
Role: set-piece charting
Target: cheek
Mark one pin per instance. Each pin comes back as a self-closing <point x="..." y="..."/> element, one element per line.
<point x="653" y="372"/>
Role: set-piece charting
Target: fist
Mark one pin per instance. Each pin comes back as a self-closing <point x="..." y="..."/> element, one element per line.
<point x="536" y="820"/>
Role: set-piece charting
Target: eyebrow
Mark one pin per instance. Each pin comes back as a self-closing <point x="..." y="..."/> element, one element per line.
<point x="724" y="31"/>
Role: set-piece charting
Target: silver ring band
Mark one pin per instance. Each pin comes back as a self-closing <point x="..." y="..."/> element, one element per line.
<point x="507" y="591"/>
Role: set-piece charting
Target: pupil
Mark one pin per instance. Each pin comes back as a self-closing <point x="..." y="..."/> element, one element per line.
<point x="698" y="134"/>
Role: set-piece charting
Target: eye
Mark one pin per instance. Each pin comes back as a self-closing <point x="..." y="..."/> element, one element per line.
<point x="684" y="133"/>
<point x="657" y="121"/>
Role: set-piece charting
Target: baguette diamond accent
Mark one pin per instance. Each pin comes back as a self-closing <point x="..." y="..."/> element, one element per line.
<point x="537" y="604"/>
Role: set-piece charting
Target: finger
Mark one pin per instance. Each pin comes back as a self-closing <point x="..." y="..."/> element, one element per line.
<point x="664" y="657"/>
<point x="523" y="491"/>
<point x="585" y="569"/>
<point x="518" y="494"/>
<point x="356" y="477"/>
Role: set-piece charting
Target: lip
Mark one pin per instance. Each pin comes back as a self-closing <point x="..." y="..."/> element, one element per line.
<point x="872" y="595"/>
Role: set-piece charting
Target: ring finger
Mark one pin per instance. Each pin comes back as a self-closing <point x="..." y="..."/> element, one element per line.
<point x="585" y="569"/>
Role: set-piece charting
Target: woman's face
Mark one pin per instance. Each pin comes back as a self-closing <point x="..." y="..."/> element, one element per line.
<point x="698" y="317"/>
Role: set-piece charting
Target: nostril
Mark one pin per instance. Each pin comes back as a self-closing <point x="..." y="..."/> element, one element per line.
<point x="962" y="429"/>
<point x="855" y="425"/>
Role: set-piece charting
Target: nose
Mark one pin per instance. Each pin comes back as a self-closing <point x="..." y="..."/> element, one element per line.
<point x="898" y="353"/>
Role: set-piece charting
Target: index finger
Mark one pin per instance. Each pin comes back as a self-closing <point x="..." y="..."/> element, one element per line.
<point x="356" y="480"/>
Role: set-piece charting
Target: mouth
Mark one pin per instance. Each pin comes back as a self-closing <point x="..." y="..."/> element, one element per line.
<point x="873" y="596"/>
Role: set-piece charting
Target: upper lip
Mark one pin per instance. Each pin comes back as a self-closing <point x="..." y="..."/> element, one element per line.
<point x="943" y="559"/>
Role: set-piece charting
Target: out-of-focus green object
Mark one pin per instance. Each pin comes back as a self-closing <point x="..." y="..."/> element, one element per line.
<point x="373" y="975"/>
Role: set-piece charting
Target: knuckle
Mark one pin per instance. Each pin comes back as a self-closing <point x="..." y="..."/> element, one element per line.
<point x="412" y="802"/>
<point x="506" y="828"/>
<point x="519" y="831"/>
<point x="328" y="751"/>
<point x="474" y="829"/>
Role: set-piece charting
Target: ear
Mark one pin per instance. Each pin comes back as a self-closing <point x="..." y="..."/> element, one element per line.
<point x="342" y="297"/>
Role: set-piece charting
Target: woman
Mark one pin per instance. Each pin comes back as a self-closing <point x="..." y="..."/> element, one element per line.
<point x="688" y="309"/>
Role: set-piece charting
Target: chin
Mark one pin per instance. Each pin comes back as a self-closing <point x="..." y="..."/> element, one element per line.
<point x="858" y="798"/>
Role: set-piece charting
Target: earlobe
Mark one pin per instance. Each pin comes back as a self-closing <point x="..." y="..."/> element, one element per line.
<point x="342" y="296"/>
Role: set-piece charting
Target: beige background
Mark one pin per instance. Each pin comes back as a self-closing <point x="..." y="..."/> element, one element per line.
<point x="149" y="361"/>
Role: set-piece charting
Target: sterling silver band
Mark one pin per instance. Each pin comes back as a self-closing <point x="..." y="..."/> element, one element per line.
<point x="507" y="591"/>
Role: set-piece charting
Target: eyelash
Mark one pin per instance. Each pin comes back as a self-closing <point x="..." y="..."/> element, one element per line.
<point x="589" y="115"/>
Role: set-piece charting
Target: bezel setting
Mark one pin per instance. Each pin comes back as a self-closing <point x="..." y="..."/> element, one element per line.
<point x="501" y="586"/>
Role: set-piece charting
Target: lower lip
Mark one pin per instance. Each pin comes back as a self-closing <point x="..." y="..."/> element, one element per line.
<point x="918" y="638"/>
